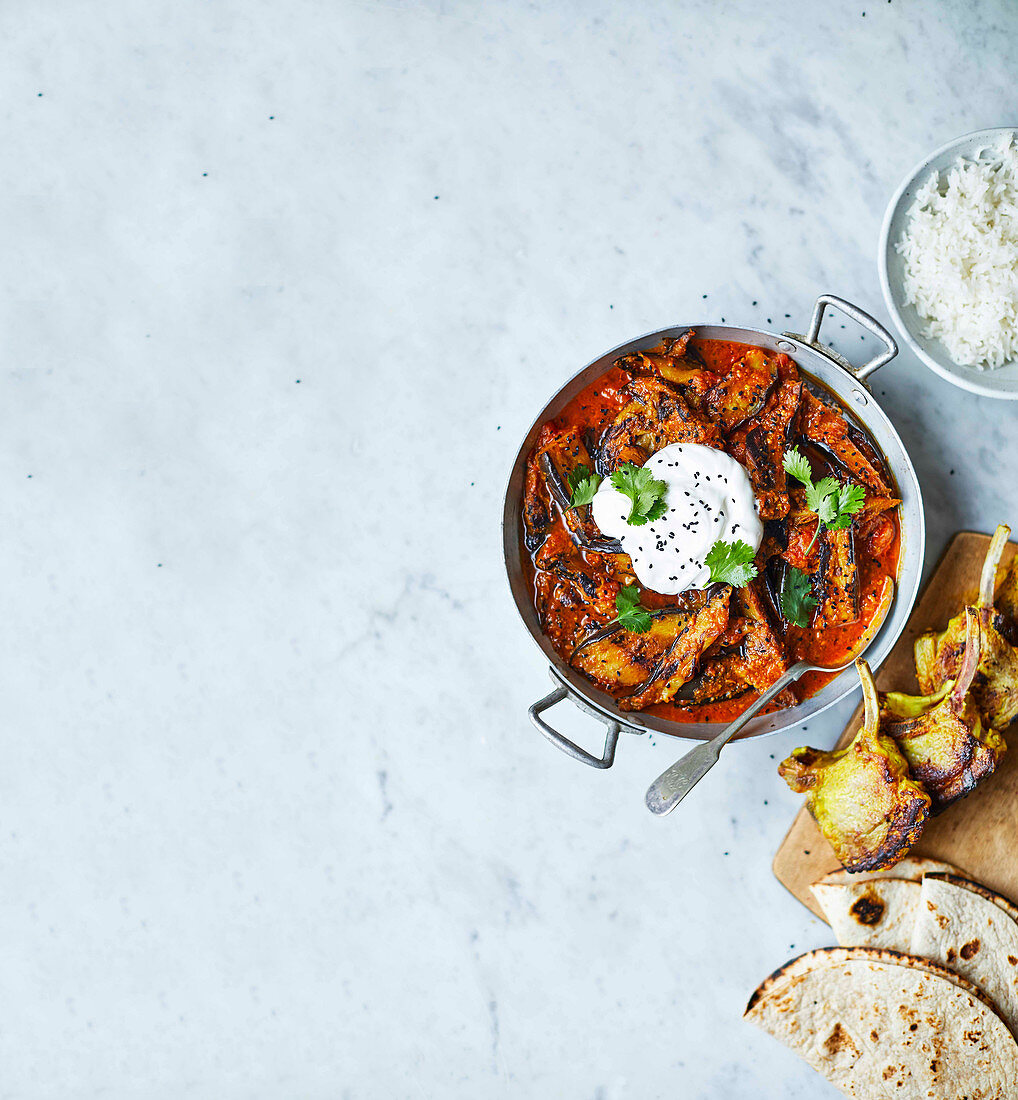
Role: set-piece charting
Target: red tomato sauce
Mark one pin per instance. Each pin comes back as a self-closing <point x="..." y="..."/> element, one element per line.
<point x="876" y="551"/>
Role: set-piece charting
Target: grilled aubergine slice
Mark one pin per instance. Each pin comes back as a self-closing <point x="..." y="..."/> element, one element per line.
<point x="743" y="392"/>
<point x="942" y="736"/>
<point x="938" y="657"/>
<point x="572" y="589"/>
<point x="759" y="443"/>
<point x="862" y="797"/>
<point x="675" y="361"/>
<point x="763" y="655"/>
<point x="652" y="664"/>
<point x="656" y="414"/>
<point x="721" y="677"/>
<point x="827" y="429"/>
<point x="699" y="630"/>
<point x="839" y="579"/>
<point x="748" y="656"/>
<point x="614" y="657"/>
<point x="557" y="455"/>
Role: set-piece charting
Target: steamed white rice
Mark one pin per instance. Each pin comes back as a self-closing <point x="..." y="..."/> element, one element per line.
<point x="961" y="257"/>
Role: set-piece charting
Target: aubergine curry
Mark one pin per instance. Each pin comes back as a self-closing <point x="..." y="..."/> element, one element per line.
<point x="818" y="584"/>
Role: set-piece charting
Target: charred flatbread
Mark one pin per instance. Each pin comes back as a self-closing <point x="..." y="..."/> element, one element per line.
<point x="834" y="956"/>
<point x="878" y="913"/>
<point x="974" y="931"/>
<point x="911" y="867"/>
<point x="879" y="1024"/>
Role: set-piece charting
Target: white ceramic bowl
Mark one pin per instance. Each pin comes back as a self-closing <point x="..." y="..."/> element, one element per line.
<point x="1002" y="382"/>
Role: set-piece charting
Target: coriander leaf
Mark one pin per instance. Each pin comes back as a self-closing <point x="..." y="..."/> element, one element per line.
<point x="851" y="498"/>
<point x="582" y="485"/>
<point x="827" y="510"/>
<point x="817" y="496"/>
<point x="797" y="464"/>
<point x="631" y="616"/>
<point x="657" y="510"/>
<point x="841" y="506"/>
<point x="645" y="491"/>
<point x="628" y="596"/>
<point x="797" y="600"/>
<point x="834" y="503"/>
<point x="731" y="563"/>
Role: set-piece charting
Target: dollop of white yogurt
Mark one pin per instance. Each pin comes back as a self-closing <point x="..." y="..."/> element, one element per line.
<point x="709" y="497"/>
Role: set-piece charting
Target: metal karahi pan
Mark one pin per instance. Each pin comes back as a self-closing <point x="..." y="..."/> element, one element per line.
<point x="820" y="367"/>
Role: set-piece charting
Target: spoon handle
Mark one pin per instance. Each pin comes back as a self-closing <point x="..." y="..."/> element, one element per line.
<point x="672" y="786"/>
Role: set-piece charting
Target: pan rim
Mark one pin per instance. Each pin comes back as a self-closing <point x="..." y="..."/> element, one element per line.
<point x="911" y="562"/>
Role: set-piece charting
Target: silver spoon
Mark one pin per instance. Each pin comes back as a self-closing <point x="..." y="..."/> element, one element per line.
<point x="672" y="786"/>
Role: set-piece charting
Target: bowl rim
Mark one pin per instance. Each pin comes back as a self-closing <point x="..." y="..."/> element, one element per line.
<point x="973" y="384"/>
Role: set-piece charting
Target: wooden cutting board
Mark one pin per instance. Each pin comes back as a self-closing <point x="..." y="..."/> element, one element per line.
<point x="978" y="833"/>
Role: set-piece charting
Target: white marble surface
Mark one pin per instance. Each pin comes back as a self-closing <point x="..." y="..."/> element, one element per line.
<point x="283" y="286"/>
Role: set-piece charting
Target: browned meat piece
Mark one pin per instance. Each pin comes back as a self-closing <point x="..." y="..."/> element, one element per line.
<point x="996" y="682"/>
<point x="700" y="629"/>
<point x="861" y="797"/>
<point x="942" y="736"/>
<point x="939" y="656"/>
<point x="656" y="414"/>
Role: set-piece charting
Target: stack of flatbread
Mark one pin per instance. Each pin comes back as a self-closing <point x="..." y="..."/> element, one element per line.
<point x="921" y="998"/>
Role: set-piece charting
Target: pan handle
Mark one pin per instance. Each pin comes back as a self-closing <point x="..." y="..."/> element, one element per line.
<point x="861" y="318"/>
<point x="560" y="741"/>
